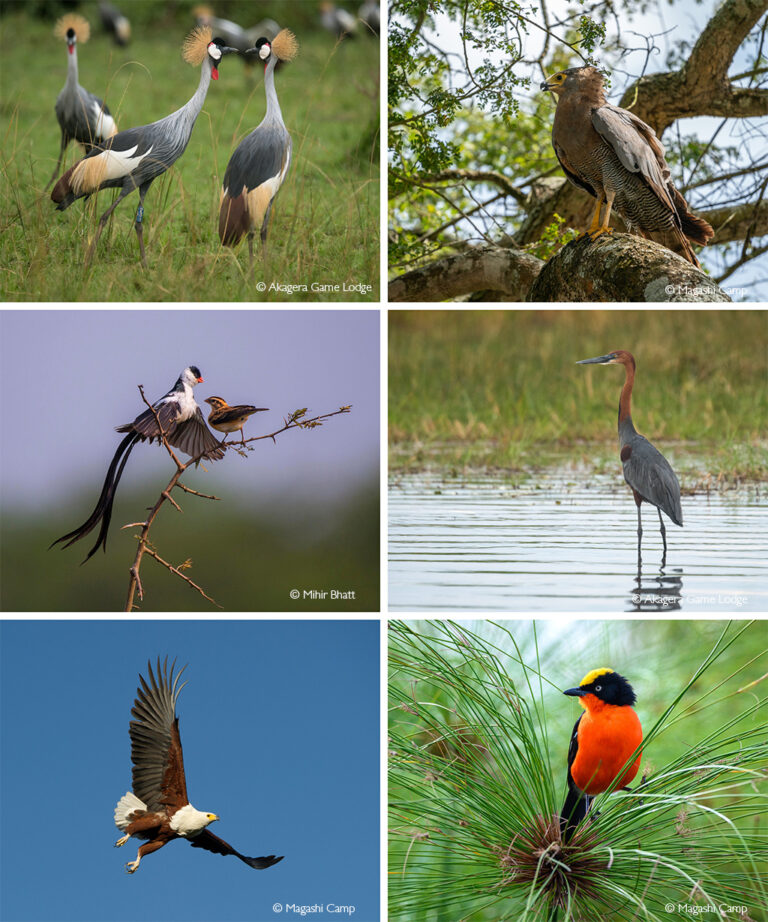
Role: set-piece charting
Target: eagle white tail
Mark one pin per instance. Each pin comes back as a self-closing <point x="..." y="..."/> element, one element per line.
<point x="128" y="804"/>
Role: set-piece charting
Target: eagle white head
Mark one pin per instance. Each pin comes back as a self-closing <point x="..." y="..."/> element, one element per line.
<point x="189" y="822"/>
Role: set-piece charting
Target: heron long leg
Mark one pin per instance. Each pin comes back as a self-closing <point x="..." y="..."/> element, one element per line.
<point x="663" y="531"/>
<point x="64" y="142"/>
<point x="102" y="221"/>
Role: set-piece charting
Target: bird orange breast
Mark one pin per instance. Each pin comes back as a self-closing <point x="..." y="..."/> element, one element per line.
<point x="607" y="736"/>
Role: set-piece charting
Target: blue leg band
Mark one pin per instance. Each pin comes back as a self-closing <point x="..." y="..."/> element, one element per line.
<point x="139" y="214"/>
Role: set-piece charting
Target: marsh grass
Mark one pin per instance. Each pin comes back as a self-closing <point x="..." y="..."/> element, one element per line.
<point x="324" y="226"/>
<point x="489" y="389"/>
<point x="475" y="789"/>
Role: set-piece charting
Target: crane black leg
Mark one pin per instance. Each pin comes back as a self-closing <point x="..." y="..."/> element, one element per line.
<point x="102" y="221"/>
<point x="64" y="142"/>
<point x="139" y="226"/>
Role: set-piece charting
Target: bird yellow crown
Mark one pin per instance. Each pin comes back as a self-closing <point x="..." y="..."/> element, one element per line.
<point x="590" y="677"/>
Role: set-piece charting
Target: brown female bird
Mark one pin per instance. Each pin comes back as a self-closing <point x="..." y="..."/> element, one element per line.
<point x="230" y="419"/>
<point x="615" y="157"/>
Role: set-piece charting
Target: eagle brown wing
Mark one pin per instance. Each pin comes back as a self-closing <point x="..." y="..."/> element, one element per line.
<point x="636" y="146"/>
<point x="212" y="843"/>
<point x="158" y="762"/>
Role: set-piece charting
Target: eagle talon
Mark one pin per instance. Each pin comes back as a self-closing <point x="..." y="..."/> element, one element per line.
<point x="593" y="235"/>
<point x="131" y="866"/>
<point x="121" y="841"/>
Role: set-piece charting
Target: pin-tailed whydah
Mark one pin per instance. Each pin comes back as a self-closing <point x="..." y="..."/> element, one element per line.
<point x="603" y="739"/>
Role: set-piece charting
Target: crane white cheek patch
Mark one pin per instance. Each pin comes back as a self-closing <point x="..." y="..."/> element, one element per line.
<point x="215" y="52"/>
<point x="90" y="173"/>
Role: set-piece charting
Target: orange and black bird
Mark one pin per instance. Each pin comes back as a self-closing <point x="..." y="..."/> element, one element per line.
<point x="230" y="419"/>
<point x="603" y="739"/>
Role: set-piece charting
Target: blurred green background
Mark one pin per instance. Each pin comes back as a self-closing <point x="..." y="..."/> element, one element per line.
<point x="325" y="223"/>
<point x="488" y="389"/>
<point x="247" y="559"/>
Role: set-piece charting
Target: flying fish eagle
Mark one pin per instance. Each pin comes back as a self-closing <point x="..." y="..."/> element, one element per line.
<point x="158" y="809"/>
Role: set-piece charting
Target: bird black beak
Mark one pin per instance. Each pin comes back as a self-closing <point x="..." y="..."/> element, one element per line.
<point x="227" y="50"/>
<point x="544" y="86"/>
<point x="575" y="692"/>
<point x="600" y="360"/>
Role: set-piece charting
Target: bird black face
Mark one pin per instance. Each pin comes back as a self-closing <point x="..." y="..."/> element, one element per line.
<point x="71" y="37"/>
<point x="217" y="48"/>
<point x="195" y="371"/>
<point x="262" y="48"/>
<point x="608" y="686"/>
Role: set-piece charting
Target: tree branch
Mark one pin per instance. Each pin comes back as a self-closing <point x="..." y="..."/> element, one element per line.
<point x="475" y="269"/>
<point x="295" y="420"/>
<point x="702" y="86"/>
<point x="622" y="267"/>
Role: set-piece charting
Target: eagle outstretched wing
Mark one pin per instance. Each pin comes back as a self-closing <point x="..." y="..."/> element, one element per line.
<point x="212" y="843"/>
<point x="158" y="762"/>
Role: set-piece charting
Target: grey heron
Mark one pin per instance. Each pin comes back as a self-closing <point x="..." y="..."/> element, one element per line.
<point x="82" y="116"/>
<point x="134" y="158"/>
<point x="646" y="470"/>
<point x="259" y="165"/>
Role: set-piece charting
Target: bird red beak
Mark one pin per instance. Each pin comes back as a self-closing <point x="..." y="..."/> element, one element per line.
<point x="200" y="380"/>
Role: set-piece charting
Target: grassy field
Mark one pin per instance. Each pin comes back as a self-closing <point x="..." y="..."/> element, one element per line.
<point x="500" y="389"/>
<point x="324" y="226"/>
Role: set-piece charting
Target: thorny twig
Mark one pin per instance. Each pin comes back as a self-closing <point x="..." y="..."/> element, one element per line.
<point x="294" y="421"/>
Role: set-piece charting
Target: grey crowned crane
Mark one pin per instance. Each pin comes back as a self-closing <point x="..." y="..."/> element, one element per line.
<point x="370" y="15"/>
<point x="82" y="116"/>
<point x="260" y="163"/>
<point x="337" y="20"/>
<point x="115" y="23"/>
<point x="235" y="35"/>
<point x="134" y="158"/>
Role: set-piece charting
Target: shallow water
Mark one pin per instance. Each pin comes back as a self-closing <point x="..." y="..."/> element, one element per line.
<point x="568" y="542"/>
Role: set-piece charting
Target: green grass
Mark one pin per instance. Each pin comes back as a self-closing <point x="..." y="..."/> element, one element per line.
<point x="325" y="224"/>
<point x="478" y="738"/>
<point x="500" y="389"/>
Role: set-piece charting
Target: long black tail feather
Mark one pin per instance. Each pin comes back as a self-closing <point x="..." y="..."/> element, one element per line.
<point x="574" y="810"/>
<point x="103" y="509"/>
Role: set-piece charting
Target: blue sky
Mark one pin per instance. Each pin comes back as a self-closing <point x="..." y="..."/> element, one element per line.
<point x="77" y="371"/>
<point x="280" y="729"/>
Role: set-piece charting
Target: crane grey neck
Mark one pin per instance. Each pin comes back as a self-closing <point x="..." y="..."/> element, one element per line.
<point x="273" y="106"/>
<point x="72" y="68"/>
<point x="179" y="124"/>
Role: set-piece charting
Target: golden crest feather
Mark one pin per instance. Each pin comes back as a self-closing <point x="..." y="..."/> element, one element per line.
<point x="285" y="47"/>
<point x="590" y="677"/>
<point x="79" y="24"/>
<point x="196" y="44"/>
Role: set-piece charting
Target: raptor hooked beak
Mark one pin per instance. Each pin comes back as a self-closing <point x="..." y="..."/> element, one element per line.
<point x="600" y="360"/>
